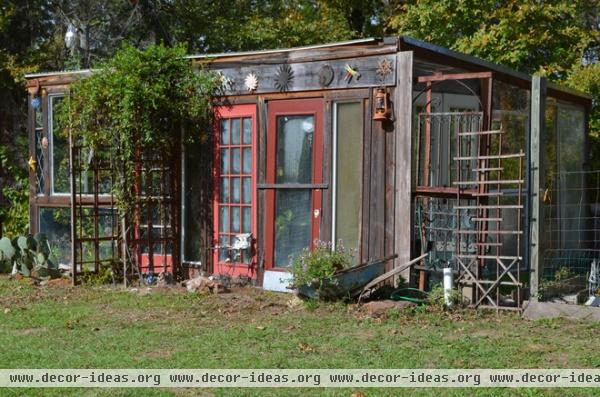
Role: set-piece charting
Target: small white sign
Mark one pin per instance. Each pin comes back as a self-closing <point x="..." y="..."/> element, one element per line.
<point x="277" y="281"/>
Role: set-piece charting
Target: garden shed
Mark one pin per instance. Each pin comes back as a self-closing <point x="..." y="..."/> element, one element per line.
<point x="387" y="146"/>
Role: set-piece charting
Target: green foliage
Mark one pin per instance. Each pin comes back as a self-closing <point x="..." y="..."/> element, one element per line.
<point x="436" y="297"/>
<point x="138" y="100"/>
<point x="547" y="37"/>
<point x="105" y="275"/>
<point x="14" y="215"/>
<point x="586" y="78"/>
<point x="30" y="254"/>
<point x="314" y="267"/>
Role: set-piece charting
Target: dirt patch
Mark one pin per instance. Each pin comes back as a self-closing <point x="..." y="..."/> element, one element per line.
<point x="158" y="354"/>
<point x="31" y="331"/>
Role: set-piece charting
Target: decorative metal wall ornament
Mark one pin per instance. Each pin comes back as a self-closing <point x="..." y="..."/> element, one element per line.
<point x="384" y="67"/>
<point x="326" y="74"/>
<point x="226" y="82"/>
<point x="284" y="78"/>
<point x="36" y="102"/>
<point x="351" y="73"/>
<point x="251" y="82"/>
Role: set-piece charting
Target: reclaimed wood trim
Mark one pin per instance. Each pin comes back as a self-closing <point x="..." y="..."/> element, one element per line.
<point x="306" y="75"/>
<point x="390" y="185"/>
<point x="403" y="212"/>
<point x="536" y="190"/>
<point x="364" y="250"/>
<point x="327" y="194"/>
<point x="377" y="189"/>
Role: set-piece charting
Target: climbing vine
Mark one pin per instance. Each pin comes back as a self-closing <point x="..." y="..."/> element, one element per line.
<point x="138" y="99"/>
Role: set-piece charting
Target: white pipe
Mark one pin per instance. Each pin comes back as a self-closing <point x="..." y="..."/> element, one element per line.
<point x="447" y="286"/>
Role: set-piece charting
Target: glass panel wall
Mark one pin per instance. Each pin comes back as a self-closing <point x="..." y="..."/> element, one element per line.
<point x="348" y="175"/>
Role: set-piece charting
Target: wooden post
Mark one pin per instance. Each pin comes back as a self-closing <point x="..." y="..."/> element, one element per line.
<point x="536" y="183"/>
<point x="403" y="214"/>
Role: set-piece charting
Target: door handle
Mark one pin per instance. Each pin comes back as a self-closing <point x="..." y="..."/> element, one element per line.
<point x="316" y="213"/>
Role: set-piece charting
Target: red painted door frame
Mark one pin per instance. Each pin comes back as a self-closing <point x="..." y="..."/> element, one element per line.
<point x="234" y="112"/>
<point x="293" y="107"/>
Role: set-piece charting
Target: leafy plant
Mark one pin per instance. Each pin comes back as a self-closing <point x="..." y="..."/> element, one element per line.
<point x="436" y="297"/>
<point x="29" y="255"/>
<point x="314" y="267"/>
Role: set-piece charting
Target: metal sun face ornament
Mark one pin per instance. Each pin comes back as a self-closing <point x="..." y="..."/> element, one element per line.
<point x="251" y="82"/>
<point x="284" y="78"/>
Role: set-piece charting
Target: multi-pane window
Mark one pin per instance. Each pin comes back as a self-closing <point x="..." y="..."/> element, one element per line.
<point x="235" y="191"/>
<point x="59" y="145"/>
<point x="41" y="144"/>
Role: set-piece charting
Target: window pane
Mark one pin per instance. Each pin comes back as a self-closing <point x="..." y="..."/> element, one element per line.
<point x="247" y="190"/>
<point x="247" y="157"/>
<point x="225" y="132"/>
<point x="349" y="138"/>
<point x="225" y="161"/>
<point x="294" y="149"/>
<point x="235" y="219"/>
<point x="224" y="190"/>
<point x="247" y="220"/>
<point x="236" y="161"/>
<point x="60" y="151"/>
<point x="292" y="224"/>
<point x="55" y="223"/>
<point x="235" y="190"/>
<point x="40" y="159"/>
<point x="224" y="243"/>
<point x="235" y="131"/>
<point x="224" y="219"/>
<point x="247" y="131"/>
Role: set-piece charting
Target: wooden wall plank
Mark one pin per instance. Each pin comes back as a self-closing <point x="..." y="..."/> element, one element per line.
<point x="403" y="217"/>
<point x="390" y="184"/>
<point x="377" y="190"/>
<point x="536" y="175"/>
<point x="366" y="180"/>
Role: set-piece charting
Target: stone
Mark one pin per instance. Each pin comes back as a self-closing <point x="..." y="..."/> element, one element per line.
<point x="379" y="308"/>
<point x="540" y="310"/>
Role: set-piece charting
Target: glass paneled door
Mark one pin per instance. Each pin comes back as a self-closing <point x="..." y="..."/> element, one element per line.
<point x="294" y="179"/>
<point x="235" y="191"/>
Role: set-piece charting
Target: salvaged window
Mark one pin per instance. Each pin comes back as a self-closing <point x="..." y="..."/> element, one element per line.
<point x="59" y="149"/>
<point x="55" y="223"/>
<point x="234" y="209"/>
<point x="348" y="174"/>
<point x="41" y="145"/>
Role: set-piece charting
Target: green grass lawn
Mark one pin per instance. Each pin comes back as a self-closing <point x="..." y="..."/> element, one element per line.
<point x="104" y="327"/>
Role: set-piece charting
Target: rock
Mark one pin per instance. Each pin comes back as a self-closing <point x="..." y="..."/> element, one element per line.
<point x="379" y="308"/>
<point x="202" y="284"/>
<point x="538" y="310"/>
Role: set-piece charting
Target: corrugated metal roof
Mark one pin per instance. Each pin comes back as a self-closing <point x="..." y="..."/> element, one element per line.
<point x="59" y="73"/>
<point x="280" y="50"/>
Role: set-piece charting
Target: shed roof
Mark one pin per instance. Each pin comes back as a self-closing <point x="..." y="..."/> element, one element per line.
<point x="362" y="47"/>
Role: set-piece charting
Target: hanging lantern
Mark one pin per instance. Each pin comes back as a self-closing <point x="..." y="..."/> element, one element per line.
<point x="382" y="106"/>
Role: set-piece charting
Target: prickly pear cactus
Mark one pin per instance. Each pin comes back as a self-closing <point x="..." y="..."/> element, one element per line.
<point x="7" y="251"/>
<point x="30" y="255"/>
